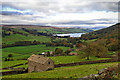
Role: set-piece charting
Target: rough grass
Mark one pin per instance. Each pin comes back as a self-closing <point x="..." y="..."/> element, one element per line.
<point x="65" y="72"/>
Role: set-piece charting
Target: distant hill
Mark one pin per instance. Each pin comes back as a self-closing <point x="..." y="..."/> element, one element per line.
<point x="109" y="32"/>
<point x="50" y="29"/>
<point x="97" y="28"/>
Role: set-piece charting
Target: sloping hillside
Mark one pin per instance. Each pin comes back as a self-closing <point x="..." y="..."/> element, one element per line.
<point x="106" y="33"/>
<point x="15" y="33"/>
<point x="110" y="36"/>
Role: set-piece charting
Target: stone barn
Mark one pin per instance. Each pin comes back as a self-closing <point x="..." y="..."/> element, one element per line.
<point x="37" y="63"/>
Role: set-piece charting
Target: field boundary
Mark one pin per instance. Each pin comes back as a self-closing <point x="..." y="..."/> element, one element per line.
<point x="14" y="72"/>
<point x="86" y="62"/>
<point x="14" y="66"/>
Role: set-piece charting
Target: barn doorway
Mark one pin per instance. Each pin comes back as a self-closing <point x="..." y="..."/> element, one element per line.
<point x="35" y="68"/>
<point x="48" y="62"/>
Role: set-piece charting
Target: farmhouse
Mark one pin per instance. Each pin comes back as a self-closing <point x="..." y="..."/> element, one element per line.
<point x="37" y="63"/>
<point x="72" y="53"/>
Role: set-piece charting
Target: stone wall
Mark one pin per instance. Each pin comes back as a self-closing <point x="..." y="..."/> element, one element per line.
<point x="86" y="62"/>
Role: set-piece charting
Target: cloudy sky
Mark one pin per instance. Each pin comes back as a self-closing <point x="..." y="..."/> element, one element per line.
<point x="63" y="13"/>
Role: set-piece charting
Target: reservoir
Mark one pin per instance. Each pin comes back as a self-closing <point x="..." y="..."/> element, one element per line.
<point x="70" y="34"/>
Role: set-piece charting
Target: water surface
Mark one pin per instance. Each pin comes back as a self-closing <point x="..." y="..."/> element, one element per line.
<point x="70" y="34"/>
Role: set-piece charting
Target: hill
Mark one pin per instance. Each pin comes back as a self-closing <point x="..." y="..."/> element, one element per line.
<point x="106" y="33"/>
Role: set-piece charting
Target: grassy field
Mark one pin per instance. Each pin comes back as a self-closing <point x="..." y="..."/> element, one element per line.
<point x="31" y="49"/>
<point x="72" y="59"/>
<point x="66" y="72"/>
<point x="17" y="37"/>
<point x="26" y="51"/>
<point x="56" y="59"/>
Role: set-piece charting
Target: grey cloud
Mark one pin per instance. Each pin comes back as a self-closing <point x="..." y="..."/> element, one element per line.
<point x="56" y="6"/>
<point x="88" y="22"/>
<point x="10" y="13"/>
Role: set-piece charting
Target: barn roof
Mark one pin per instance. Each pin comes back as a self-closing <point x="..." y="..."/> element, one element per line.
<point x="38" y="58"/>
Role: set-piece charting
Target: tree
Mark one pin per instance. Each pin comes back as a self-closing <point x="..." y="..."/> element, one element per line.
<point x="67" y="51"/>
<point x="10" y="55"/>
<point x="58" y="51"/>
<point x="100" y="51"/>
<point x="48" y="53"/>
<point x="34" y="42"/>
<point x="87" y="51"/>
<point x="6" y="59"/>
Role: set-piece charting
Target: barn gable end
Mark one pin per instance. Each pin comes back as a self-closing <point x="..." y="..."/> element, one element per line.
<point x="37" y="63"/>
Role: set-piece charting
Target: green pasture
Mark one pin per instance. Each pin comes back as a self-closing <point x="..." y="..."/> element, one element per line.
<point x="31" y="49"/>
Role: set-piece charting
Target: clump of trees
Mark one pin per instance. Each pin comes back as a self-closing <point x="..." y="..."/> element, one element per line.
<point x="60" y="52"/>
<point x="68" y="51"/>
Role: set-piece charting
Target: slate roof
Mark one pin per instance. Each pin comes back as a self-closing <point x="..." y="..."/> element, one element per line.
<point x="38" y="59"/>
